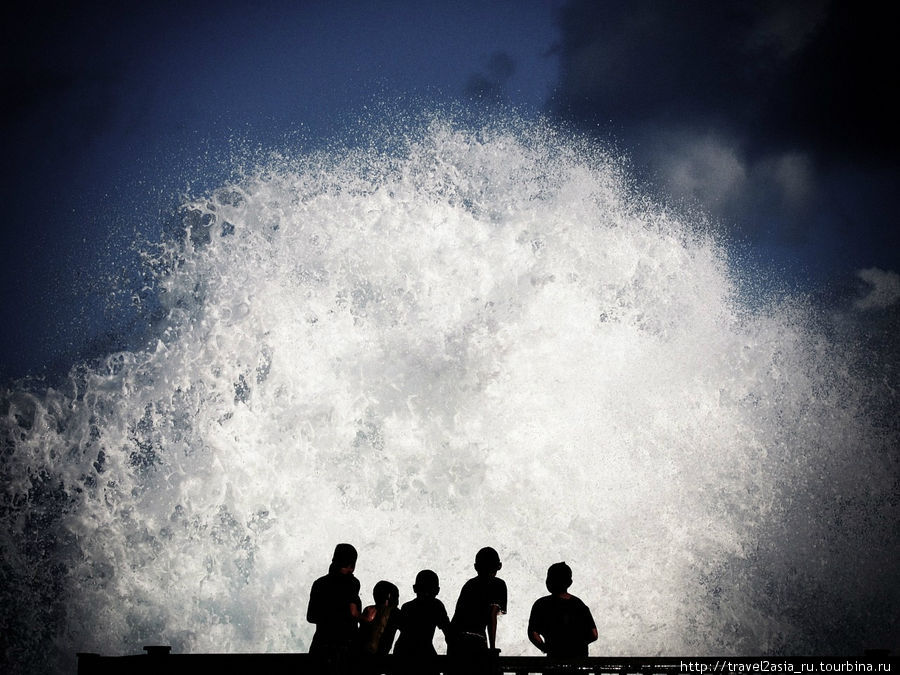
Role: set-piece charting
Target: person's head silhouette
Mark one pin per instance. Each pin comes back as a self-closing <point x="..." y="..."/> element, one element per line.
<point x="344" y="559"/>
<point x="426" y="584"/>
<point x="386" y="593"/>
<point x="487" y="562"/>
<point x="559" y="578"/>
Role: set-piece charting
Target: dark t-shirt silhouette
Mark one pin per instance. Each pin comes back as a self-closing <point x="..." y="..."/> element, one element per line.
<point x="565" y="624"/>
<point x="474" y="605"/>
<point x="418" y="620"/>
<point x="329" y="608"/>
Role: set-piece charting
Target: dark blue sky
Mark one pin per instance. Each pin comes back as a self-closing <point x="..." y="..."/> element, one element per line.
<point x="775" y="117"/>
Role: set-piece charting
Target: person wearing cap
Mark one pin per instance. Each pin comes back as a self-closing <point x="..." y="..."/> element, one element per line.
<point x="474" y="624"/>
<point x="561" y="625"/>
<point x="335" y="609"/>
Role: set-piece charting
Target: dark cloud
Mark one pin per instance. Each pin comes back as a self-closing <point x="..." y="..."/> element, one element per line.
<point x="791" y="74"/>
<point x="774" y="117"/>
<point x="835" y="94"/>
<point x="641" y="61"/>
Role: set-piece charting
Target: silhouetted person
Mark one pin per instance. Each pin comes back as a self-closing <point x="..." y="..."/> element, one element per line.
<point x="482" y="598"/>
<point x="378" y="626"/>
<point x="334" y="606"/>
<point x="418" y="620"/>
<point x="560" y="624"/>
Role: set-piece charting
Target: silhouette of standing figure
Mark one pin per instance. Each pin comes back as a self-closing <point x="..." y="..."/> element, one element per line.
<point x="418" y="620"/>
<point x="481" y="600"/>
<point x="334" y="606"/>
<point x="378" y="626"/>
<point x="560" y="624"/>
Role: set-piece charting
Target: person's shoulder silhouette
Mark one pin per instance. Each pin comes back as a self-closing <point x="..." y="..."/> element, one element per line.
<point x="420" y="618"/>
<point x="560" y="624"/>
<point x="379" y="622"/>
<point x="481" y="600"/>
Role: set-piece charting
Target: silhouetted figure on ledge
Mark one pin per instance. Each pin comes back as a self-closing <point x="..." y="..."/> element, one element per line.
<point x="418" y="620"/>
<point x="474" y="626"/>
<point x="560" y="624"/>
<point x="378" y="626"/>
<point x="334" y="606"/>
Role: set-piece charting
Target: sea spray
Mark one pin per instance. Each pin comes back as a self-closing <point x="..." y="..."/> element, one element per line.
<point x="472" y="338"/>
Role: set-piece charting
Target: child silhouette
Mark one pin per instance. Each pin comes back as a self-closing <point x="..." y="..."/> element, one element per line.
<point x="560" y="624"/>
<point x="418" y="620"/>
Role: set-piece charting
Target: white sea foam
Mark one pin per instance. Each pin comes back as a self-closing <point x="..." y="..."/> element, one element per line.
<point x="482" y="338"/>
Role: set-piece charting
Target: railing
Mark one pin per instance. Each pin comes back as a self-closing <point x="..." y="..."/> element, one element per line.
<point x="160" y="660"/>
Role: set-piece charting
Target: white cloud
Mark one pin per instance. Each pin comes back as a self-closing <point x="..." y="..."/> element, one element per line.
<point x="712" y="170"/>
<point x="884" y="289"/>
<point x="702" y="167"/>
<point x="794" y="176"/>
